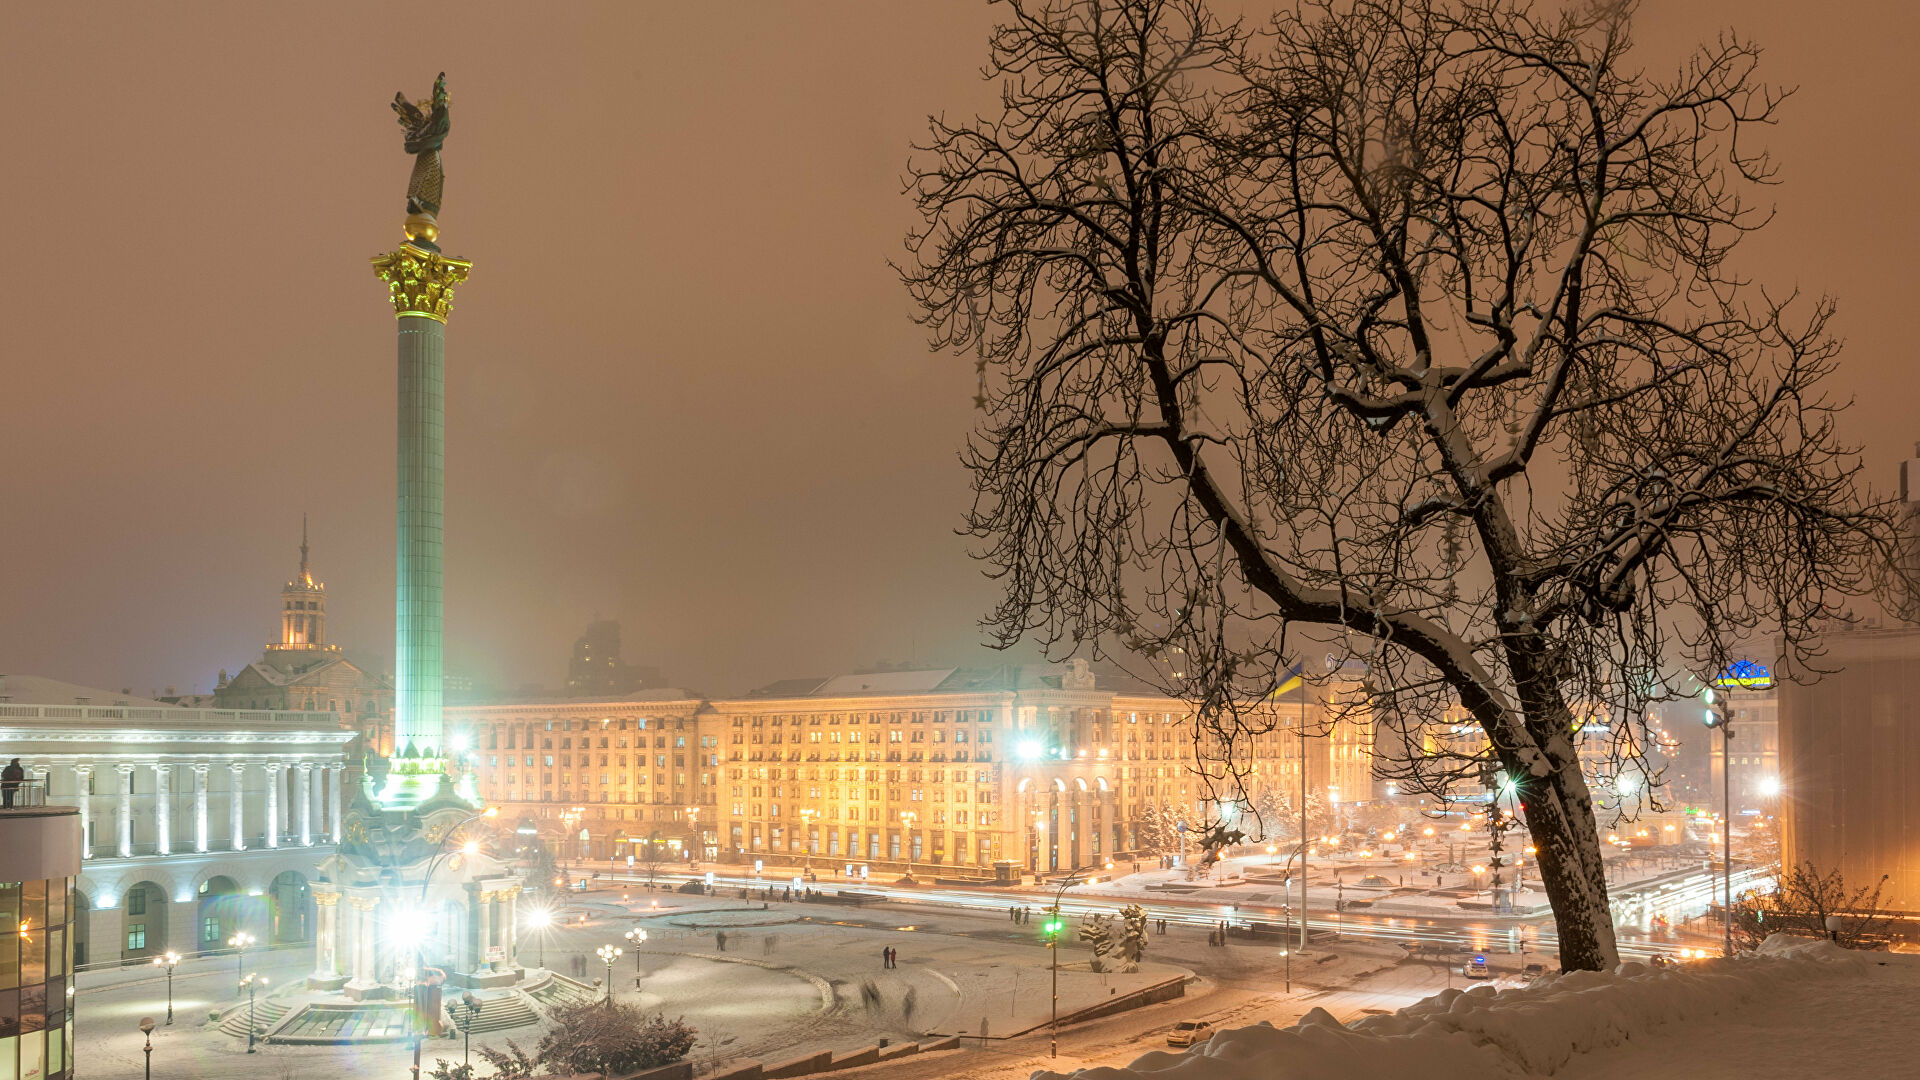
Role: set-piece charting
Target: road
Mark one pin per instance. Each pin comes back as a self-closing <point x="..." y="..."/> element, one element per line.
<point x="1638" y="909"/>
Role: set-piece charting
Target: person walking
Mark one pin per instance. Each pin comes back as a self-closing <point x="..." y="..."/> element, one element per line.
<point x="886" y="955"/>
<point x="10" y="780"/>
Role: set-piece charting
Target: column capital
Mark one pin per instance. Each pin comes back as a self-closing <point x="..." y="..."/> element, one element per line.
<point x="83" y="767"/>
<point x="201" y="767"/>
<point x="420" y="283"/>
<point x="124" y="768"/>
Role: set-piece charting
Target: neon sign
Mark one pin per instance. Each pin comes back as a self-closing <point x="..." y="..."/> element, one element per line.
<point x="1745" y="675"/>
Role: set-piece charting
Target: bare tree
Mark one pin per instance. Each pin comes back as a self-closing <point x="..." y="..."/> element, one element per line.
<point x="1404" y="330"/>
<point x="1809" y="903"/>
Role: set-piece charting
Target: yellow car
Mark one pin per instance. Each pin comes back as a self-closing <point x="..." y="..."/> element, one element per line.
<point x="1189" y="1032"/>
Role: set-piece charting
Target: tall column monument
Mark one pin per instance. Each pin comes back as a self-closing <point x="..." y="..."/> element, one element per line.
<point x="420" y="281"/>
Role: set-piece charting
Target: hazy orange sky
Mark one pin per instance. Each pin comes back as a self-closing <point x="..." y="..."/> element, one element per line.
<point x="683" y="389"/>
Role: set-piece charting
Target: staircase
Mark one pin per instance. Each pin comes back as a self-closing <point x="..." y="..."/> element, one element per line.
<point x="559" y="991"/>
<point x="267" y="1012"/>
<point x="497" y="1013"/>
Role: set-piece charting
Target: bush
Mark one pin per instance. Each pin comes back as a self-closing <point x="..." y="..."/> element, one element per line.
<point x="612" y="1040"/>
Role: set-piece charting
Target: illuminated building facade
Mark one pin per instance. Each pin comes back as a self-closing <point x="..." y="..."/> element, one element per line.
<point x="624" y="772"/>
<point x="1039" y="765"/>
<point x="193" y="823"/>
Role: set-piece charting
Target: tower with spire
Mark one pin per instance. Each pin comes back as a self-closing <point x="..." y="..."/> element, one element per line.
<point x="303" y="609"/>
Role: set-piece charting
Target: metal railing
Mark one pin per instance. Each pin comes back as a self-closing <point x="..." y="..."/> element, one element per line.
<point x="22" y="794"/>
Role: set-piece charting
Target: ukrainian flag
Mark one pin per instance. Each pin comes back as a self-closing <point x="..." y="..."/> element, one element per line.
<point x="1293" y="679"/>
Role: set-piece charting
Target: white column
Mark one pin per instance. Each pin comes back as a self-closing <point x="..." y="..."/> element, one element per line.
<point x="237" y="805"/>
<point x="305" y="787"/>
<point x="163" y="810"/>
<point x="200" y="806"/>
<point x="335" y="826"/>
<point x="125" y="774"/>
<point x="83" y="777"/>
<point x="275" y="774"/>
<point x="317" y="801"/>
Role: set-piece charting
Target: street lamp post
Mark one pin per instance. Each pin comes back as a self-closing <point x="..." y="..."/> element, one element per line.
<point x="146" y="1028"/>
<point x="693" y="818"/>
<point x="608" y="954"/>
<point x="469" y="1005"/>
<point x="166" y="962"/>
<point x="1720" y="715"/>
<point x="252" y="983"/>
<point x="636" y="937"/>
<point x="1054" y="927"/>
<point x="907" y="818"/>
<point x="240" y="943"/>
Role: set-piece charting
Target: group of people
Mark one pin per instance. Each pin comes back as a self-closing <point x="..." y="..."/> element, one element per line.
<point x="1019" y="914"/>
<point x="1218" y="935"/>
<point x="889" y="957"/>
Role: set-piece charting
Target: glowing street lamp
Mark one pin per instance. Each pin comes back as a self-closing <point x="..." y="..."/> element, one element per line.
<point x="636" y="937"/>
<point x="608" y="954"/>
<point x="538" y="920"/>
<point x="240" y="943"/>
<point x="167" y="962"/>
<point x="252" y="984"/>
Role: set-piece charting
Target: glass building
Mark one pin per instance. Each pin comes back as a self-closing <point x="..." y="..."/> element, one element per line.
<point x="39" y="859"/>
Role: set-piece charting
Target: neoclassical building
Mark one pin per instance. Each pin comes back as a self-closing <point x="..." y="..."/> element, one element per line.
<point x="1044" y="766"/>
<point x="302" y="671"/>
<point x="194" y="822"/>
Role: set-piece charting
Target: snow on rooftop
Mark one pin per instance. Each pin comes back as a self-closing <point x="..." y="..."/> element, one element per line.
<point x="1796" y="1008"/>
<point x="40" y="690"/>
<point x="884" y="682"/>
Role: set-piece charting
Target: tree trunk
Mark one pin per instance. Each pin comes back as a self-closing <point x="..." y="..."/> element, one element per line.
<point x="1567" y="860"/>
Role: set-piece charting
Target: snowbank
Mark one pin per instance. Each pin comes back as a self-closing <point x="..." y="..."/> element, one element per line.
<point x="1484" y="1034"/>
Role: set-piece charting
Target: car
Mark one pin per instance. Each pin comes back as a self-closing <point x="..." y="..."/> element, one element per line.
<point x="1533" y="971"/>
<point x="1190" y="1032"/>
<point x="1477" y="969"/>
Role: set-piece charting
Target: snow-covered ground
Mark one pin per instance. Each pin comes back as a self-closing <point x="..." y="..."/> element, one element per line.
<point x="1795" y="1009"/>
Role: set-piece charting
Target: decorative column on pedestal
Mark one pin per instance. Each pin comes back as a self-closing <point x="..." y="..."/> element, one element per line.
<point x="420" y="283"/>
<point x="200" y="806"/>
<point x="327" y="935"/>
<point x="83" y="782"/>
<point x="237" y="805"/>
<point x="125" y="846"/>
<point x="163" y="809"/>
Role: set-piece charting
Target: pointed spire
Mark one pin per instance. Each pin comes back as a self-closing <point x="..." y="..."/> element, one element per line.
<point x="306" y="575"/>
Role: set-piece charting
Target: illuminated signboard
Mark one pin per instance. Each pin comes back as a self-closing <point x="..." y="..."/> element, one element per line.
<point x="1745" y="675"/>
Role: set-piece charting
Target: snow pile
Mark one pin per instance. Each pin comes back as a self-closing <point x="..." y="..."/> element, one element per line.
<point x="1484" y="1034"/>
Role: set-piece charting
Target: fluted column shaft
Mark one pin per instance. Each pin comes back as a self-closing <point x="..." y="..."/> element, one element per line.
<point x="275" y="776"/>
<point x="83" y="779"/>
<point x="163" y="809"/>
<point x="237" y="806"/>
<point x="304" y="785"/>
<point x="200" y="806"/>
<point x="125" y="776"/>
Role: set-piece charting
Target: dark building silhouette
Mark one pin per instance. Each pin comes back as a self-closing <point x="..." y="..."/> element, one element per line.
<point x="595" y="669"/>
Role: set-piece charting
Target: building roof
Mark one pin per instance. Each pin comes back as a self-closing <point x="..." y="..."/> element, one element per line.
<point x="40" y="690"/>
<point x="1003" y="678"/>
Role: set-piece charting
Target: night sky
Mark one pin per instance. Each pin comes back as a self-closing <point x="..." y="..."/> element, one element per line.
<point x="683" y="387"/>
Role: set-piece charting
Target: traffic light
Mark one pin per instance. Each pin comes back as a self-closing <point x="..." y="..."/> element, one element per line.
<point x="1051" y="928"/>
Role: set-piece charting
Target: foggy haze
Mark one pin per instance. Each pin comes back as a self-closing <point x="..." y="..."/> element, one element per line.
<point x="683" y="388"/>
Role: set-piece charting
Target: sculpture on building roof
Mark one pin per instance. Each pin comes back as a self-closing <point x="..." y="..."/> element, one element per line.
<point x="426" y="124"/>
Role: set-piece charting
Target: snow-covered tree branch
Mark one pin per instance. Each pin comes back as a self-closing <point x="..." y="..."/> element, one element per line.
<point x="1400" y="329"/>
